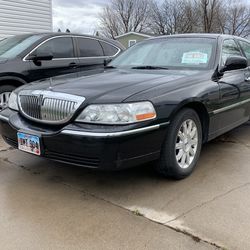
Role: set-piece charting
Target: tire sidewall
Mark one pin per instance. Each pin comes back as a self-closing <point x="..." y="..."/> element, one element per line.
<point x="6" y="88"/>
<point x="169" y="151"/>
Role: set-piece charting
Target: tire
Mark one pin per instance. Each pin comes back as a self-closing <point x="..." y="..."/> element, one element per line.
<point x="5" y="91"/>
<point x="172" y="162"/>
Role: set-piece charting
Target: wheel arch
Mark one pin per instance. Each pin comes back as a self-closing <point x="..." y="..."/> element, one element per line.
<point x="12" y="80"/>
<point x="202" y="112"/>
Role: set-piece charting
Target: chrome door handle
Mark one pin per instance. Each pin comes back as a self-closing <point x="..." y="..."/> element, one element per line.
<point x="73" y="65"/>
<point x="247" y="79"/>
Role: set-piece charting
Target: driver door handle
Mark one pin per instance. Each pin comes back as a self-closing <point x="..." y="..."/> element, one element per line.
<point x="247" y="78"/>
<point x="73" y="65"/>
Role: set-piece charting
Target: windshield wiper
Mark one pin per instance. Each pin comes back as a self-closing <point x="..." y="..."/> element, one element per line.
<point x="149" y="67"/>
<point x="110" y="67"/>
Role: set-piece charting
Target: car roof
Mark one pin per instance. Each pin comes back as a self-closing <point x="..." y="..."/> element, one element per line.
<point x="198" y="35"/>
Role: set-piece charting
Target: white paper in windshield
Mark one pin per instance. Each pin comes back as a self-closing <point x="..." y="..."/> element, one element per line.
<point x="194" y="58"/>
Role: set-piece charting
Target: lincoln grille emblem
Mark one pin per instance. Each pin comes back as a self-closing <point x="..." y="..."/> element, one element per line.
<point x="40" y="101"/>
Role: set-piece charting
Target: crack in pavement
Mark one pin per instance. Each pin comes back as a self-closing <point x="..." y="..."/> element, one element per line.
<point x="208" y="201"/>
<point x="6" y="149"/>
<point x="194" y="237"/>
<point x="20" y="166"/>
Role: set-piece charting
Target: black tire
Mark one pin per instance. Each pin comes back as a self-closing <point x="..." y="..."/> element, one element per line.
<point x="168" y="164"/>
<point x="5" y="89"/>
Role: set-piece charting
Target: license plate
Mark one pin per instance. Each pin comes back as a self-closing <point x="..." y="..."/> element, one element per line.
<point x="29" y="143"/>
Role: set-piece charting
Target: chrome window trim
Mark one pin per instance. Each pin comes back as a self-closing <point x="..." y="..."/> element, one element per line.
<point x="113" y="134"/>
<point x="73" y="58"/>
<point x="49" y="94"/>
<point x="4" y="118"/>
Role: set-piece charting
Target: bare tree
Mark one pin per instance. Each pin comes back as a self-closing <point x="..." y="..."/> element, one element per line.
<point x="158" y="22"/>
<point x="179" y="16"/>
<point x="122" y="16"/>
<point x="173" y="17"/>
<point x="209" y="12"/>
<point x="176" y="16"/>
<point x="236" y="20"/>
<point x="109" y="20"/>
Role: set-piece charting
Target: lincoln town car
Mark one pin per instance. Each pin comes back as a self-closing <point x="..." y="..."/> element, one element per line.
<point x="158" y="102"/>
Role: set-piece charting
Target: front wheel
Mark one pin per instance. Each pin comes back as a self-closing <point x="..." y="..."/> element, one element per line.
<point x="5" y="92"/>
<point x="182" y="146"/>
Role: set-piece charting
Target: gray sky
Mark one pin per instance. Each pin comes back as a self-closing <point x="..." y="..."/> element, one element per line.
<point x="78" y="15"/>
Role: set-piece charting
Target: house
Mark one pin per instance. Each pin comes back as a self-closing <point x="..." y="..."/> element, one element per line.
<point x="25" y="16"/>
<point x="130" y="38"/>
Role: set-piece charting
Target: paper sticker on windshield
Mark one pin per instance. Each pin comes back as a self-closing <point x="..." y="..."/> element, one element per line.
<point x="194" y="58"/>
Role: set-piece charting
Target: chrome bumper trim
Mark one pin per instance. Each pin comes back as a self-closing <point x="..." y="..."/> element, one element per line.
<point x="4" y="118"/>
<point x="113" y="134"/>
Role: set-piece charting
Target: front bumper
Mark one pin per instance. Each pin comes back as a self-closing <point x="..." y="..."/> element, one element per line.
<point x="104" y="147"/>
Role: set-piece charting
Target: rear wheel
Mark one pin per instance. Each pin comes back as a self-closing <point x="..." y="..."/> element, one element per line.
<point x="181" y="149"/>
<point x="5" y="92"/>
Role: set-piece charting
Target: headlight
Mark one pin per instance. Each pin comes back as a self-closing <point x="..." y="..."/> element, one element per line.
<point x="123" y="113"/>
<point x="12" y="104"/>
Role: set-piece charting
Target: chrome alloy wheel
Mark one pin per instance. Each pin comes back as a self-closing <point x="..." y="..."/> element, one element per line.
<point x="186" y="143"/>
<point x="4" y="98"/>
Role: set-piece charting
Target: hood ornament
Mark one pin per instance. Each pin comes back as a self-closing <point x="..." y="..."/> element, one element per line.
<point x="50" y="84"/>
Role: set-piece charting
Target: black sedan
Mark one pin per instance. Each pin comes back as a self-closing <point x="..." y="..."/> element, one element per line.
<point x="158" y="101"/>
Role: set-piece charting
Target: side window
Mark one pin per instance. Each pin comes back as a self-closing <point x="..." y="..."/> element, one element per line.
<point x="108" y="49"/>
<point x="61" y="47"/>
<point x="89" y="47"/>
<point x="246" y="48"/>
<point x="229" y="48"/>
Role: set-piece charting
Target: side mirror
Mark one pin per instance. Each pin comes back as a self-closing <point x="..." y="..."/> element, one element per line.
<point x="46" y="56"/>
<point x="235" y="62"/>
<point x="107" y="61"/>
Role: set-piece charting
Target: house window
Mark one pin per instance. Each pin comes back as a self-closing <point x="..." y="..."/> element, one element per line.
<point x="131" y="43"/>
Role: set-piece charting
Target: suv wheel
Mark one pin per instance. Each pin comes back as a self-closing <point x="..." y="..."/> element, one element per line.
<point x="181" y="149"/>
<point x="5" y="92"/>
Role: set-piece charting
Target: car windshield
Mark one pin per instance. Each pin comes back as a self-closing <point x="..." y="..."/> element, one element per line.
<point x="13" y="46"/>
<point x="168" y="53"/>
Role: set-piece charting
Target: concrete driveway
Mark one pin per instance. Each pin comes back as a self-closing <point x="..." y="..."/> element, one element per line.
<point x="47" y="205"/>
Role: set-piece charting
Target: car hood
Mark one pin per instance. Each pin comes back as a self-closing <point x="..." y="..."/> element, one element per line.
<point x="113" y="85"/>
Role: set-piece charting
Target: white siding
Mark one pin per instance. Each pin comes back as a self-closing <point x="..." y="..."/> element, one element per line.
<point x="25" y="16"/>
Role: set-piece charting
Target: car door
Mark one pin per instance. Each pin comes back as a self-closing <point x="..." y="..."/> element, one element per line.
<point x="234" y="90"/>
<point x="91" y="55"/>
<point x="64" y="59"/>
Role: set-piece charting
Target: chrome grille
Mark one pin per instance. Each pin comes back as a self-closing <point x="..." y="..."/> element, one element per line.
<point x="48" y="107"/>
<point x="30" y="106"/>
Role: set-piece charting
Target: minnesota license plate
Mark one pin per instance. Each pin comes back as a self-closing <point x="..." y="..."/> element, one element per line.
<point x="29" y="143"/>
